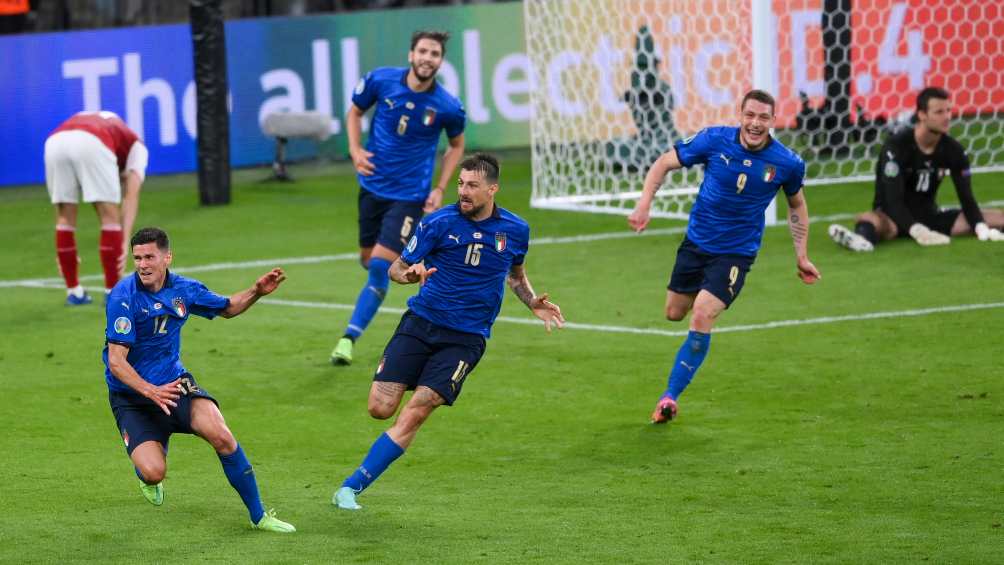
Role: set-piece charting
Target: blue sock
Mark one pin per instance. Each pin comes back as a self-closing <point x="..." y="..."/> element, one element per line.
<point x="241" y="476"/>
<point x="381" y="455"/>
<point x="370" y="298"/>
<point x="688" y="360"/>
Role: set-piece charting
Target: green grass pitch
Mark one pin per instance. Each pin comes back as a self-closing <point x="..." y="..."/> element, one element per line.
<point x="852" y="440"/>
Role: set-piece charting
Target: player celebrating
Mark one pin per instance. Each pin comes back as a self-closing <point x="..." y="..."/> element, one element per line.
<point x="743" y="169"/>
<point x="461" y="256"/>
<point x="151" y="393"/>
<point x="95" y="153"/>
<point x="909" y="170"/>
<point x="396" y="167"/>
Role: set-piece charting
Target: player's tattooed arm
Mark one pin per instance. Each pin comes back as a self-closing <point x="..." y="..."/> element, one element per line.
<point x="798" y="224"/>
<point x="520" y="285"/>
<point x="541" y="307"/>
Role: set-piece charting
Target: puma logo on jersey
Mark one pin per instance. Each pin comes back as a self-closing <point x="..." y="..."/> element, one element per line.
<point x="689" y="368"/>
<point x="454" y="238"/>
<point x="390" y="103"/>
<point x="724" y="158"/>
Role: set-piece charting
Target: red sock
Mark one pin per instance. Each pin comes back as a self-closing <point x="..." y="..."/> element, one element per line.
<point x="111" y="249"/>
<point x="66" y="254"/>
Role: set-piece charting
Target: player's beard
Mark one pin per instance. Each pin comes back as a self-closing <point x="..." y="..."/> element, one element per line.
<point x="473" y="212"/>
<point x="416" y="69"/>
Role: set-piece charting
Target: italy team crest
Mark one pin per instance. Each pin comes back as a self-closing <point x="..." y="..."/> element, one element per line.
<point x="769" y="173"/>
<point x="179" y="306"/>
<point x="500" y="241"/>
<point x="428" y="116"/>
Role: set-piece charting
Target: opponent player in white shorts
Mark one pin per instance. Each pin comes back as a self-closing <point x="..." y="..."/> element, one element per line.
<point x="96" y="155"/>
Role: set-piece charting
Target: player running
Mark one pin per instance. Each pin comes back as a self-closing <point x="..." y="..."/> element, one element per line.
<point x="462" y="256"/>
<point x="744" y="167"/>
<point x="396" y="167"/>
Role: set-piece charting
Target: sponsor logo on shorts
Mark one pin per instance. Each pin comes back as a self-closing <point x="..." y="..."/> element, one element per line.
<point x="123" y="325"/>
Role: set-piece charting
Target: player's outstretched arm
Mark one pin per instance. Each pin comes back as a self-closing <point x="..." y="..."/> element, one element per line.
<point x="164" y="396"/>
<point x="265" y="285"/>
<point x="403" y="273"/>
<point x="639" y="218"/>
<point x="541" y="306"/>
<point x="798" y="224"/>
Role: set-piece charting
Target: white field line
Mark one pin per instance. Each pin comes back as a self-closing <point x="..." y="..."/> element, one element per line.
<point x="353" y="256"/>
<point x="628" y="329"/>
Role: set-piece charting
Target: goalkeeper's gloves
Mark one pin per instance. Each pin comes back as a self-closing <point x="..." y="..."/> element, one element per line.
<point x="987" y="233"/>
<point x="926" y="236"/>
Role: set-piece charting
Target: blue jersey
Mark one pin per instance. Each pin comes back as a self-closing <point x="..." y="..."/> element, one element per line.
<point x="472" y="261"/>
<point x="149" y="324"/>
<point x="404" y="132"/>
<point x="738" y="185"/>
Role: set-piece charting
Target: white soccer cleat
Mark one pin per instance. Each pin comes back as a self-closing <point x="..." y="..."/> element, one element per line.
<point x="846" y="238"/>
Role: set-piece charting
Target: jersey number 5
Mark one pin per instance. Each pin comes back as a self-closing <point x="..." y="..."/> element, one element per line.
<point x="740" y="182"/>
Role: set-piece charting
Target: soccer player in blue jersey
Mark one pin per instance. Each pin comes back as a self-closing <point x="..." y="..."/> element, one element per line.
<point x="151" y="393"/>
<point x="744" y="167"/>
<point x="462" y="256"/>
<point x="396" y="168"/>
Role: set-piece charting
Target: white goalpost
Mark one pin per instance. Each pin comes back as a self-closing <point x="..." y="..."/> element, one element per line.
<point x="617" y="82"/>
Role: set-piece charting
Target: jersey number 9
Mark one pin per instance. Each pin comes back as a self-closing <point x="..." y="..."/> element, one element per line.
<point x="740" y="182"/>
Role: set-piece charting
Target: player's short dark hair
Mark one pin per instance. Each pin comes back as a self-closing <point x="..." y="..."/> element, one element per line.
<point x="438" y="36"/>
<point x="483" y="163"/>
<point x="759" y="96"/>
<point x="151" y="235"/>
<point x="928" y="94"/>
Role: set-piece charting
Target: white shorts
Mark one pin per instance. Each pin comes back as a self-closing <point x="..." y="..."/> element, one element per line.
<point x="76" y="160"/>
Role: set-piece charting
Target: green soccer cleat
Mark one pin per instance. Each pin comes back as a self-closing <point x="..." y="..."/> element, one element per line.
<point x="345" y="498"/>
<point x="270" y="523"/>
<point x="342" y="354"/>
<point x="153" y="493"/>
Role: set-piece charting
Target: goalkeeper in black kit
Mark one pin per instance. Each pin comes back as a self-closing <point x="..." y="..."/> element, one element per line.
<point x="910" y="168"/>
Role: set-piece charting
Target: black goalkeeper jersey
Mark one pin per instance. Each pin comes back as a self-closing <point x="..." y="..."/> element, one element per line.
<point x="906" y="179"/>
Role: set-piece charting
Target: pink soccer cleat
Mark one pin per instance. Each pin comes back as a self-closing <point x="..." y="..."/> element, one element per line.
<point x="664" y="411"/>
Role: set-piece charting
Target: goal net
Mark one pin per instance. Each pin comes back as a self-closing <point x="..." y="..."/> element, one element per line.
<point x="617" y="82"/>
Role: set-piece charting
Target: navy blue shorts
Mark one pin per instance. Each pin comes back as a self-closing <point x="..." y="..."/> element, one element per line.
<point x="140" y="420"/>
<point x="390" y="223"/>
<point x="421" y="353"/>
<point x="721" y="275"/>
